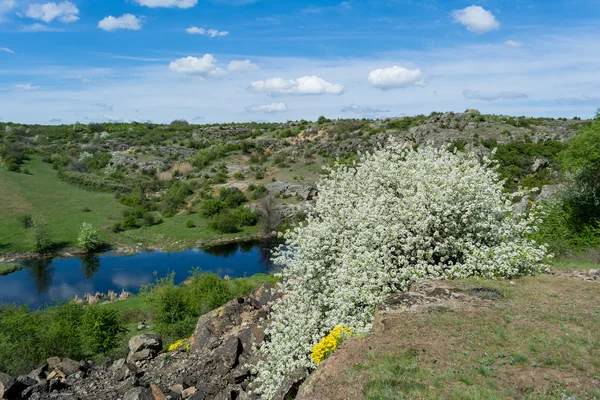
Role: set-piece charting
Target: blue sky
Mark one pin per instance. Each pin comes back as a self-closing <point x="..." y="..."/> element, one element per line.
<point x="272" y="60"/>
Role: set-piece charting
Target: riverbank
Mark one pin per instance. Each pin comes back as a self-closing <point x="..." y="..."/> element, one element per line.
<point x="6" y="269"/>
<point x="168" y="245"/>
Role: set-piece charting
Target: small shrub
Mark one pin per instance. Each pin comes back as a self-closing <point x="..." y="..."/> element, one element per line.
<point x="39" y="238"/>
<point x="190" y="224"/>
<point x="224" y="223"/>
<point x="246" y="216"/>
<point x="89" y="237"/>
<point x="102" y="328"/>
<point x="26" y="221"/>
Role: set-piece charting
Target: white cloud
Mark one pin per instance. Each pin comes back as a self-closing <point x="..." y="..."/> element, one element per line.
<point x="65" y="12"/>
<point x="477" y="95"/>
<point x="125" y="21"/>
<point x="24" y="87"/>
<point x="205" y="66"/>
<point x="512" y="43"/>
<point x="268" y="108"/>
<point x="306" y="85"/>
<point x="206" y="32"/>
<point x="395" y="77"/>
<point x="477" y="19"/>
<point x="6" y="50"/>
<point x="39" y="28"/>
<point x="167" y="3"/>
<point x="5" y="7"/>
<point x="242" y="66"/>
<point x="355" y="108"/>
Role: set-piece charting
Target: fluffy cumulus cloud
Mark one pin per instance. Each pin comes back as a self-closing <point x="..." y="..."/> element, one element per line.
<point x="491" y="96"/>
<point x="24" y="87"/>
<point x="477" y="19"/>
<point x="65" y="12"/>
<point x="357" y="109"/>
<point x="395" y="77"/>
<point x="206" y="32"/>
<point x="6" y="50"/>
<point x="167" y="3"/>
<point x="268" y="108"/>
<point x="512" y="43"/>
<point x="306" y="85"/>
<point x="206" y="66"/>
<point x="242" y="66"/>
<point x="125" y="21"/>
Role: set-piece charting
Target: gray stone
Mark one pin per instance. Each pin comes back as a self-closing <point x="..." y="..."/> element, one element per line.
<point x="539" y="164"/>
<point x="10" y="388"/>
<point x="291" y="385"/>
<point x="144" y="347"/>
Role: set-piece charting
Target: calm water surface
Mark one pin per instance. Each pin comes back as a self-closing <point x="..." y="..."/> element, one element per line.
<point x="41" y="282"/>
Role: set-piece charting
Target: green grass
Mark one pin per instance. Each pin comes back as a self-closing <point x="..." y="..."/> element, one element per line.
<point x="60" y="204"/>
<point x="537" y="342"/>
<point x="6" y="269"/>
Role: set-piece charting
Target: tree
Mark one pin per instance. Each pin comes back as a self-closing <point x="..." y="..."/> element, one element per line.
<point x="40" y="241"/>
<point x="271" y="216"/>
<point x="398" y="217"/>
<point x="581" y="161"/>
<point x="89" y="238"/>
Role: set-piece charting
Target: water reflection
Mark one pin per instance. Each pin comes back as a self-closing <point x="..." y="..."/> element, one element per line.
<point x="41" y="271"/>
<point x="43" y="281"/>
<point x="90" y="265"/>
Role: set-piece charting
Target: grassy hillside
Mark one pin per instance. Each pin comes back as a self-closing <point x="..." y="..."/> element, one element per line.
<point x="61" y="205"/>
<point x="538" y="342"/>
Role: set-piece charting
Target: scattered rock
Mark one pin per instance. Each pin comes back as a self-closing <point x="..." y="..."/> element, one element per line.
<point x="144" y="347"/>
<point x="10" y="388"/>
<point x="539" y="164"/>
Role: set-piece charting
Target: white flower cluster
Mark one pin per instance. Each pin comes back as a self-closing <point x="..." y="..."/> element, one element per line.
<point x="85" y="155"/>
<point x="399" y="217"/>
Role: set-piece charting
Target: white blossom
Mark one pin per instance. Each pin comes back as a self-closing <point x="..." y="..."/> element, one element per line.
<point x="398" y="217"/>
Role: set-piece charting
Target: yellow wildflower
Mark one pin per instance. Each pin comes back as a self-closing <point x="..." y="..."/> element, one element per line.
<point x="329" y="343"/>
<point x="178" y="344"/>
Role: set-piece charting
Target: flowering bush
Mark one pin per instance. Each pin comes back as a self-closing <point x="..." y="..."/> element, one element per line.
<point x="399" y="217"/>
<point x="329" y="343"/>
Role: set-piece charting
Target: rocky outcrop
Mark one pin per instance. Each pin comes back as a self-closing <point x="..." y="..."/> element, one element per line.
<point x="288" y="189"/>
<point x="213" y="366"/>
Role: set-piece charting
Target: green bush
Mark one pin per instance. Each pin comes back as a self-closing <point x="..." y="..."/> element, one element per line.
<point x="91" y="182"/>
<point x="225" y="222"/>
<point x="26" y="221"/>
<point x="232" y="197"/>
<point x="206" y="292"/>
<point x="246" y="216"/>
<point x="39" y="238"/>
<point x="22" y="340"/>
<point x="89" y="237"/>
<point x="62" y="334"/>
<point x="210" y="207"/>
<point x="101" y="328"/>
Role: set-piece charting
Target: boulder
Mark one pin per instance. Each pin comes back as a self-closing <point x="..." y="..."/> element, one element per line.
<point x="539" y="164"/>
<point x="10" y="388"/>
<point x="144" y="347"/>
<point x="291" y="385"/>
